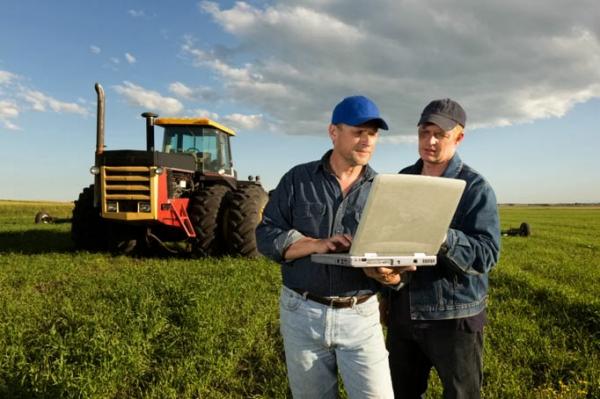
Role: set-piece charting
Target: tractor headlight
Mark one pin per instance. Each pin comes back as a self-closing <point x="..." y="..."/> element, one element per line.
<point x="112" y="206"/>
<point x="143" y="207"/>
<point x="95" y="170"/>
<point x="159" y="171"/>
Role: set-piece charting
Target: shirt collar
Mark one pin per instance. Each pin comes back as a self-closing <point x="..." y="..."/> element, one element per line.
<point x="454" y="167"/>
<point x="367" y="174"/>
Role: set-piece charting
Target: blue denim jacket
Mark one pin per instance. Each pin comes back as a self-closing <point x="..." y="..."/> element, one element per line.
<point x="308" y="202"/>
<point x="457" y="286"/>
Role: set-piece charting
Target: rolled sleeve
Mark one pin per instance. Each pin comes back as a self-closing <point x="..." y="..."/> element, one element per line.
<point x="275" y="234"/>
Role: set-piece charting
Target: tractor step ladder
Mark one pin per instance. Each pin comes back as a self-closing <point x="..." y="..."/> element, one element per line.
<point x="184" y="219"/>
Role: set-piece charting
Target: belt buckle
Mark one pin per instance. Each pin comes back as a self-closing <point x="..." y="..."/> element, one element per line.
<point x="342" y="300"/>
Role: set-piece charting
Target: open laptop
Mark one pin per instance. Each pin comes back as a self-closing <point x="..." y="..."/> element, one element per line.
<point x="404" y="222"/>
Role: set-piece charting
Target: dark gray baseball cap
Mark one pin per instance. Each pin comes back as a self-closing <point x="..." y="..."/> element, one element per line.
<point x="445" y="113"/>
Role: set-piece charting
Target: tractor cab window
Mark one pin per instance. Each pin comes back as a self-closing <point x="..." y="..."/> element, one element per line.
<point x="209" y="145"/>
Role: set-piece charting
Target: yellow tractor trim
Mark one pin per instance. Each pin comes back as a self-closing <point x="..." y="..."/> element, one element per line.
<point x="133" y="184"/>
<point x="193" y="122"/>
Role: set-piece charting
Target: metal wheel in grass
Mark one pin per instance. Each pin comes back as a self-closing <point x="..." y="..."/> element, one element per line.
<point x="524" y="230"/>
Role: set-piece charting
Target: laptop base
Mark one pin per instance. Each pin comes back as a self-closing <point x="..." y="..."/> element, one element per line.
<point x="417" y="259"/>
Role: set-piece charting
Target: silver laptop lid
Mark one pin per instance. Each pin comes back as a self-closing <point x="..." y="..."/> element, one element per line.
<point x="406" y="214"/>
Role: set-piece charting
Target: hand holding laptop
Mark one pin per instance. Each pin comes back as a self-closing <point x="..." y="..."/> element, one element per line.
<point x="388" y="275"/>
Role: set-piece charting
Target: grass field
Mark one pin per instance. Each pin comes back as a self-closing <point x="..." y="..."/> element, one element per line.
<point x="85" y="325"/>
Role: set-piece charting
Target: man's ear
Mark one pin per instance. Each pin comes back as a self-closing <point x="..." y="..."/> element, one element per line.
<point x="332" y="132"/>
<point x="459" y="137"/>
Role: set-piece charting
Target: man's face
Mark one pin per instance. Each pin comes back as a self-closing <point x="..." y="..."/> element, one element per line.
<point x="437" y="146"/>
<point x="354" y="144"/>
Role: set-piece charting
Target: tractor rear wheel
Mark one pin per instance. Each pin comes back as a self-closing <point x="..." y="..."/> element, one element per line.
<point x="88" y="229"/>
<point x="242" y="214"/>
<point x="206" y="214"/>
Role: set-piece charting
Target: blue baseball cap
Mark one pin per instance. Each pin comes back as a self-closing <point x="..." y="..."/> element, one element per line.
<point x="355" y="111"/>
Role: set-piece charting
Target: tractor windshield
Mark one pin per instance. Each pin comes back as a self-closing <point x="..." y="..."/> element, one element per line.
<point x="210" y="145"/>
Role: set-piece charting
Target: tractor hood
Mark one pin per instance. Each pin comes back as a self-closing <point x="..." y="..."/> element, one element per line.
<point x="183" y="161"/>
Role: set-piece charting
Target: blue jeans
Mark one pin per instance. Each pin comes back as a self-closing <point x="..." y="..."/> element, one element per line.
<point x="319" y="341"/>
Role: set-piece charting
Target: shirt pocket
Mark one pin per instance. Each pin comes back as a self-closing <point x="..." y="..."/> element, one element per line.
<point x="351" y="219"/>
<point x="308" y="217"/>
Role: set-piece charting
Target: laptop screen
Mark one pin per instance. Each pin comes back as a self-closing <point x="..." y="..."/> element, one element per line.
<point x="406" y="214"/>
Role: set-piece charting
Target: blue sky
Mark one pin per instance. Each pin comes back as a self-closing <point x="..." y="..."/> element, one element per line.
<point x="527" y="73"/>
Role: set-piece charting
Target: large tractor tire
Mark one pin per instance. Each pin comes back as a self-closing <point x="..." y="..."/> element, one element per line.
<point x="243" y="213"/>
<point x="88" y="229"/>
<point x="206" y="214"/>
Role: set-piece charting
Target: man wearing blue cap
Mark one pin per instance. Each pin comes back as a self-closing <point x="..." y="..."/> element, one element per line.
<point x="436" y="318"/>
<point x="329" y="314"/>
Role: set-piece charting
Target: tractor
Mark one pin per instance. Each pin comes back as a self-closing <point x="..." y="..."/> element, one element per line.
<point x="184" y="198"/>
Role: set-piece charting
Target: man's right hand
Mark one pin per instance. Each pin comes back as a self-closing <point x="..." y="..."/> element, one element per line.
<point x="336" y="243"/>
<point x="308" y="246"/>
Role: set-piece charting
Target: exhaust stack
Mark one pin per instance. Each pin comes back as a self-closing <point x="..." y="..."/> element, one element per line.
<point x="100" y="120"/>
<point x="149" y="116"/>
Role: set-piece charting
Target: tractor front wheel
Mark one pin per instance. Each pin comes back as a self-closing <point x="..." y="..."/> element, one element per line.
<point x="88" y="229"/>
<point x="243" y="213"/>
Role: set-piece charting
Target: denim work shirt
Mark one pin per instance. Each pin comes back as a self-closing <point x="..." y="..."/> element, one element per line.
<point x="457" y="286"/>
<point x="308" y="202"/>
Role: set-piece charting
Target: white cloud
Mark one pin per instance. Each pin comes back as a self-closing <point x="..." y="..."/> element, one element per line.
<point x="6" y="77"/>
<point x="16" y="98"/>
<point x="384" y="138"/>
<point x="136" y="13"/>
<point x="149" y="99"/>
<point x="42" y="102"/>
<point x="300" y="57"/>
<point x="115" y="60"/>
<point x="8" y="110"/>
<point x="193" y="94"/>
<point x="95" y="49"/>
<point x="203" y="113"/>
<point x="181" y="90"/>
<point x="130" y="58"/>
<point x="244" y="122"/>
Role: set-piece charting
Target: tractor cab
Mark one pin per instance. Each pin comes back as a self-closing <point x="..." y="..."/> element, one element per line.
<point x="207" y="140"/>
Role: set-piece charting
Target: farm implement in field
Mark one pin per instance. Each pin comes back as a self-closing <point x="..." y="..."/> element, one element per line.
<point x="187" y="192"/>
<point x="524" y="230"/>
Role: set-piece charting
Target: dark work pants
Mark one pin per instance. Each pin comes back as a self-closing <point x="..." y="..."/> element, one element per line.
<point x="456" y="355"/>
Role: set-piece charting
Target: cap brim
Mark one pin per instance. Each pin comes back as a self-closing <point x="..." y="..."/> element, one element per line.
<point x="445" y="123"/>
<point x="380" y="122"/>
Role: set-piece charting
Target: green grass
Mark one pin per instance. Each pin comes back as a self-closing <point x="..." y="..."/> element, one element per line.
<point x="86" y="325"/>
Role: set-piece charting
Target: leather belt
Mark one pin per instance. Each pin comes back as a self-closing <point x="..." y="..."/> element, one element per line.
<point x="335" y="302"/>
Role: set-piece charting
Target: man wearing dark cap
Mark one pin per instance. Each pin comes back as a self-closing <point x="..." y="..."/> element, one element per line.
<point x="329" y="314"/>
<point x="436" y="318"/>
